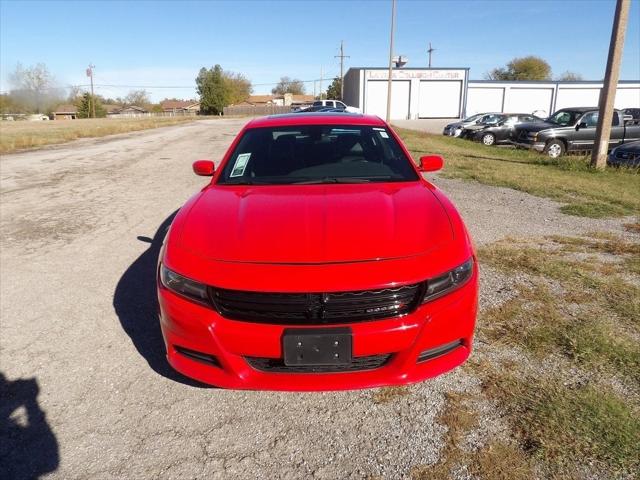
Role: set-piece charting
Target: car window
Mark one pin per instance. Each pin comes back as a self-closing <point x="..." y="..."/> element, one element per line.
<point x="564" y="118"/>
<point x="590" y="119"/>
<point x="317" y="103"/>
<point x="317" y="154"/>
<point x="341" y="105"/>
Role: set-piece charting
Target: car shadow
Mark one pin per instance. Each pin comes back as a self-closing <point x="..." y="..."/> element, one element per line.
<point x="28" y="446"/>
<point x="135" y="302"/>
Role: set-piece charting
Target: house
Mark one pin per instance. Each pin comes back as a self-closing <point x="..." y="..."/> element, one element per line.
<point x="191" y="107"/>
<point x="128" y="111"/>
<point x="65" y="112"/>
<point x="288" y="99"/>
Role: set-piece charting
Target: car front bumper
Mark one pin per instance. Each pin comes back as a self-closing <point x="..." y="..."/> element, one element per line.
<point x="441" y="331"/>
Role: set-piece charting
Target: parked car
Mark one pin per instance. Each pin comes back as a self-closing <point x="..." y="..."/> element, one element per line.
<point x="269" y="278"/>
<point x="633" y="114"/>
<point x="570" y="130"/>
<point x="501" y="132"/>
<point x="627" y="155"/>
<point x="455" y="129"/>
<point x="320" y="108"/>
<point x="489" y="119"/>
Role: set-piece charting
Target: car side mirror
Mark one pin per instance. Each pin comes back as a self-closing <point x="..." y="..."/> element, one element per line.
<point x="431" y="163"/>
<point x="581" y="125"/>
<point x="204" y="168"/>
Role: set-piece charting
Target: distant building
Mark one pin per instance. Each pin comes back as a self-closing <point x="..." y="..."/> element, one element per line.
<point x="180" y="106"/>
<point x="65" y="112"/>
<point x="128" y="111"/>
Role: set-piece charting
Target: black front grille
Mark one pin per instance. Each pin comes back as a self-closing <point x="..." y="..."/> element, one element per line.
<point x="317" y="308"/>
<point x="276" y="365"/>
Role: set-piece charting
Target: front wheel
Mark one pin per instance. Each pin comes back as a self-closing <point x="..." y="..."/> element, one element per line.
<point x="488" y="139"/>
<point x="554" y="149"/>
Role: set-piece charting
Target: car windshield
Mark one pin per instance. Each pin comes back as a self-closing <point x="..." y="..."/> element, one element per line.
<point x="317" y="154"/>
<point x="564" y="117"/>
<point x="473" y="118"/>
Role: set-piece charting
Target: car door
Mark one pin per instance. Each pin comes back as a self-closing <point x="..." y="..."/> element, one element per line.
<point x="585" y="133"/>
<point x="617" y="131"/>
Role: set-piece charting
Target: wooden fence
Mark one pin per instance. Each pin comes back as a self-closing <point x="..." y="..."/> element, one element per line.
<point x="251" y="110"/>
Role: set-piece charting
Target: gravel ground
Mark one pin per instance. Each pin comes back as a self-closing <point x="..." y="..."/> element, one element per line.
<point x="84" y="386"/>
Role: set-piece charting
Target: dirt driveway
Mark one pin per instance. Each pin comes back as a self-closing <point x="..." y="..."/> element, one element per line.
<point x="85" y="390"/>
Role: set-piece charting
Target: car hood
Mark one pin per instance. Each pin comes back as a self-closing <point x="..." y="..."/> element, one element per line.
<point x="315" y="223"/>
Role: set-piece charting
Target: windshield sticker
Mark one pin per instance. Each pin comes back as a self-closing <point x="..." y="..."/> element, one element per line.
<point x="384" y="134"/>
<point x="240" y="165"/>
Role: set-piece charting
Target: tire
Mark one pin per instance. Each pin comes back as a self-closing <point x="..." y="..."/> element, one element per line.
<point x="554" y="148"/>
<point x="488" y="139"/>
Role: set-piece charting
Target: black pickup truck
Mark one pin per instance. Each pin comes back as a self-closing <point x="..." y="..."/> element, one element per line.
<point x="571" y="130"/>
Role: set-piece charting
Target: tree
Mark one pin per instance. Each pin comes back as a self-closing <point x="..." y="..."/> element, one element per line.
<point x="288" y="85"/>
<point x="213" y="90"/>
<point x="139" y="98"/>
<point x="238" y="87"/>
<point x="524" y="68"/>
<point x="218" y="88"/>
<point x="334" y="91"/>
<point x="34" y="87"/>
<point x="570" y="76"/>
<point x="84" y="107"/>
<point x="9" y="105"/>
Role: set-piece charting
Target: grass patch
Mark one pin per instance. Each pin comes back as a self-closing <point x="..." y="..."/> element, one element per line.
<point x="584" y="191"/>
<point x="567" y="428"/>
<point x="389" y="394"/>
<point x="498" y="460"/>
<point x="582" y="308"/>
<point x="22" y="135"/>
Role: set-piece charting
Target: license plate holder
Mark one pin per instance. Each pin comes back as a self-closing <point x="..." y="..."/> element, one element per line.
<point x="309" y="347"/>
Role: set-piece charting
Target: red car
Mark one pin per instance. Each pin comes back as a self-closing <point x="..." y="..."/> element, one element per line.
<point x="317" y="258"/>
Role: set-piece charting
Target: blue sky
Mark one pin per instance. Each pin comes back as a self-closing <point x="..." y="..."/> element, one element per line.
<point x="164" y="43"/>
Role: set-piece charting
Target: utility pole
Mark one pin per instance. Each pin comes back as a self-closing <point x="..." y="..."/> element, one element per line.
<point x="92" y="104"/>
<point x="342" y="56"/>
<point x="608" y="92"/>
<point x="431" y="50"/>
<point x="393" y="23"/>
<point x="320" y="82"/>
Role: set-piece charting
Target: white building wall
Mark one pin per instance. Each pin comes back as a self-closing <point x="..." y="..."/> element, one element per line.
<point x="444" y="98"/>
<point x="543" y="98"/>
<point x="447" y="93"/>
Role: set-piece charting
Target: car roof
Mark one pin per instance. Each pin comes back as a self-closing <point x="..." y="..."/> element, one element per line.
<point x="316" y="118"/>
<point x="579" y="109"/>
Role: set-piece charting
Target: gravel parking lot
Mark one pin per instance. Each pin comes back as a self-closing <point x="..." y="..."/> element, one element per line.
<point x="85" y="390"/>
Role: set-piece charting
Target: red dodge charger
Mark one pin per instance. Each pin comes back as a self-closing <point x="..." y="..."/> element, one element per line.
<point x="317" y="258"/>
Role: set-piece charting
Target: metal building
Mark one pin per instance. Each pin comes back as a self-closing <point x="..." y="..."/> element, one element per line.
<point x="448" y="93"/>
<point x="416" y="92"/>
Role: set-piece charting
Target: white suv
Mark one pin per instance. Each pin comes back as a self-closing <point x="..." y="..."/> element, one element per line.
<point x="336" y="104"/>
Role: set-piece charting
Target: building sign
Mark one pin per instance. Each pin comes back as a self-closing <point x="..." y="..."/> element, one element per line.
<point x="399" y="74"/>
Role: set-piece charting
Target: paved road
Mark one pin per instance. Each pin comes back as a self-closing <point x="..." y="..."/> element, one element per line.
<point x="85" y="390"/>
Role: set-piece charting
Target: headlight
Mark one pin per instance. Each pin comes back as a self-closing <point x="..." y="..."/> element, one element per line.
<point x="438" y="286"/>
<point x="183" y="286"/>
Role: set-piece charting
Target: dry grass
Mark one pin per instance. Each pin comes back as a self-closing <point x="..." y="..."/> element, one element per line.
<point x="498" y="460"/>
<point x="584" y="191"/>
<point x="579" y="301"/>
<point x="389" y="394"/>
<point x="566" y="428"/>
<point x="578" y="304"/>
<point x="25" y="135"/>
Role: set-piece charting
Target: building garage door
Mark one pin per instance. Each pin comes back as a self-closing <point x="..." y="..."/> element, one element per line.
<point x="529" y="100"/>
<point x="481" y="100"/>
<point x="628" y="98"/>
<point x="439" y="99"/>
<point x="577" y="97"/>
<point x="376" y="99"/>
